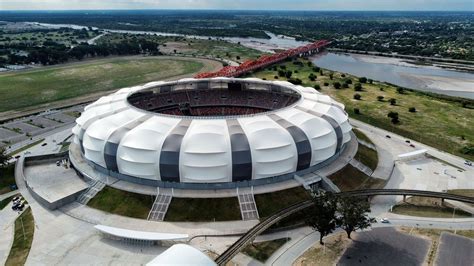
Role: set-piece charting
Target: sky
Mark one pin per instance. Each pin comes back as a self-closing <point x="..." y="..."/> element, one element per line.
<point x="410" y="5"/>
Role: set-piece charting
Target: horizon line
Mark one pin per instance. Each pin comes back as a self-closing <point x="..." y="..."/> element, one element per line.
<point x="218" y="9"/>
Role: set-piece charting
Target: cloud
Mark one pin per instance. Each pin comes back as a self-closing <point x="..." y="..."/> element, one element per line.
<point x="441" y="5"/>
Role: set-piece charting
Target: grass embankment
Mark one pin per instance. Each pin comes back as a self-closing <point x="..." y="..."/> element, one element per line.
<point x="4" y="202"/>
<point x="21" y="90"/>
<point x="439" y="122"/>
<point x="428" y="207"/>
<point x="7" y="178"/>
<point x="350" y="178"/>
<point x="361" y="136"/>
<point x="334" y="246"/>
<point x="203" y="210"/>
<point x="270" y="203"/>
<point x="122" y="203"/>
<point x="22" y="242"/>
<point x="261" y="251"/>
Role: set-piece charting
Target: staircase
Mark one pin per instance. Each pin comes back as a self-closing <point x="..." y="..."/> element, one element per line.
<point x="95" y="187"/>
<point x="248" y="207"/>
<point x="160" y="206"/>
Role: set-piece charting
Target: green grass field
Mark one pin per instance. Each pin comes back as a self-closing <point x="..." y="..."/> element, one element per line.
<point x="122" y="203"/>
<point x="203" y="210"/>
<point x="261" y="251"/>
<point x="22" y="242"/>
<point x="46" y="85"/>
<point x="429" y="211"/>
<point x="350" y="178"/>
<point x="367" y="156"/>
<point x="270" y="203"/>
<point x="437" y="122"/>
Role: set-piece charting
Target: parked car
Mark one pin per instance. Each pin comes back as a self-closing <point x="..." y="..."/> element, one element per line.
<point x="384" y="221"/>
<point x="411" y="145"/>
<point x="44" y="144"/>
<point x="388" y="136"/>
<point x="407" y="141"/>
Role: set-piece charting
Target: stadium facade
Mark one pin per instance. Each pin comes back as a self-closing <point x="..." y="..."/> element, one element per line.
<point x="218" y="132"/>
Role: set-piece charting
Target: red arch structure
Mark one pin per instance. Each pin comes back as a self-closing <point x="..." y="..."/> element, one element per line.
<point x="265" y="60"/>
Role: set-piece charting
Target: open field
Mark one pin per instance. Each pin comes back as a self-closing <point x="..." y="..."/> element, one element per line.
<point x="261" y="251"/>
<point x="22" y="242"/>
<point x="367" y="156"/>
<point x="44" y="86"/>
<point x="122" y="203"/>
<point x="334" y="246"/>
<point x="441" y="123"/>
<point x="428" y="207"/>
<point x="203" y="210"/>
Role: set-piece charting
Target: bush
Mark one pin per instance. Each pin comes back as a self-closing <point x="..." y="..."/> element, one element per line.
<point x="400" y="90"/>
<point x="281" y="73"/>
<point x="321" y="72"/>
<point x="296" y="71"/>
<point x="469" y="150"/>
<point x="316" y="69"/>
<point x="317" y="87"/>
<point x="380" y="98"/>
<point x="394" y="117"/>
<point x="337" y="85"/>
<point x="330" y="76"/>
<point x="295" y="81"/>
<point x="370" y="81"/>
<point x="288" y="74"/>
<point x="363" y="80"/>
<point x="343" y="75"/>
<point x="348" y="81"/>
<point x="381" y="89"/>
<point x="356" y="111"/>
<point x="345" y="86"/>
<point x="393" y="101"/>
<point x="326" y="84"/>
<point x="358" y="87"/>
<point x="357" y="96"/>
<point x="275" y="77"/>
<point x="282" y="66"/>
<point x="412" y="110"/>
<point x="312" y="77"/>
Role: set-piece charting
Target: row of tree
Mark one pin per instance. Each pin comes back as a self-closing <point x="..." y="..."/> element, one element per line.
<point x="330" y="211"/>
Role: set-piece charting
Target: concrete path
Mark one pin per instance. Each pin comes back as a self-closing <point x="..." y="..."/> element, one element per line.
<point x="8" y="194"/>
<point x="7" y="227"/>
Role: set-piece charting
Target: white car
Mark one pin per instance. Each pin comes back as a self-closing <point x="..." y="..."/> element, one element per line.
<point x="384" y="221"/>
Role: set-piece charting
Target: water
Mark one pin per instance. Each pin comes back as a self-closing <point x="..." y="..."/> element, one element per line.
<point x="398" y="72"/>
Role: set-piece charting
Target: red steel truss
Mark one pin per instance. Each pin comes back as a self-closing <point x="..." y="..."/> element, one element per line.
<point x="265" y="60"/>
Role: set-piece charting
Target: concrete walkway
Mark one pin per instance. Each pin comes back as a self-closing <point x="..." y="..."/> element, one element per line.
<point x="7" y="227"/>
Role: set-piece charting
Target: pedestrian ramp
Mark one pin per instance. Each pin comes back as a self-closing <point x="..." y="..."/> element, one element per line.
<point x="248" y="207"/>
<point x="361" y="167"/>
<point x="160" y="205"/>
<point x="95" y="187"/>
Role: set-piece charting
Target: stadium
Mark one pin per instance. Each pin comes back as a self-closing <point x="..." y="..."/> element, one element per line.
<point x="211" y="133"/>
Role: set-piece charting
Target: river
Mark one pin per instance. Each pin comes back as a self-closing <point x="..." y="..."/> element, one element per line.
<point x="401" y="73"/>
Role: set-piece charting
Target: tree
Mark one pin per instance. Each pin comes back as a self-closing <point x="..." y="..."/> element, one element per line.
<point x="317" y="87"/>
<point x="357" y="96"/>
<point x="288" y="74"/>
<point x="400" y="90"/>
<point x="330" y="76"/>
<point x="353" y="214"/>
<point x="321" y="216"/>
<point x="393" y="101"/>
<point x="363" y="80"/>
<point x="348" y="81"/>
<point x="4" y="157"/>
<point x="394" y="117"/>
<point x="358" y="87"/>
<point x="356" y="111"/>
<point x="326" y="84"/>
<point x="337" y="85"/>
<point x="380" y="98"/>
<point x="412" y="110"/>
<point x="312" y="77"/>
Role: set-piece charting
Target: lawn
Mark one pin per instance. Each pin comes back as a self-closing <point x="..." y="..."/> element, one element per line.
<point x="26" y="147"/>
<point x="261" y="251"/>
<point x="438" y="122"/>
<point x="429" y="211"/>
<point x="360" y="135"/>
<point x="270" y="203"/>
<point x="122" y="203"/>
<point x="22" y="242"/>
<point x="46" y="85"/>
<point x="203" y="210"/>
<point x="4" y="202"/>
<point x="7" y="178"/>
<point x="349" y="178"/>
<point x="329" y="254"/>
<point x="367" y="156"/>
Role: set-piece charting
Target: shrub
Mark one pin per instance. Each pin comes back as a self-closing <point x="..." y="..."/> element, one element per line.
<point x="337" y="85"/>
<point x="348" y="81"/>
<point x="370" y="81"/>
<point x="393" y="101"/>
<point x="412" y="110"/>
<point x="326" y="84"/>
<point x="317" y="87"/>
<point x="363" y="80"/>
<point x="356" y="111"/>
<point x="392" y="114"/>
<point x="281" y="73"/>
<point x="282" y="66"/>
<point x="312" y="77"/>
<point x="357" y="96"/>
<point x="381" y="89"/>
<point x="469" y="150"/>
<point x="380" y="98"/>
<point x="330" y="76"/>
<point x="343" y="75"/>
<point x="275" y="77"/>
<point x="295" y="81"/>
<point x="345" y="85"/>
<point x="358" y="87"/>
<point x="296" y="71"/>
<point x="316" y="69"/>
<point x="288" y="74"/>
<point x="321" y="72"/>
<point x="238" y="57"/>
<point x="400" y="90"/>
